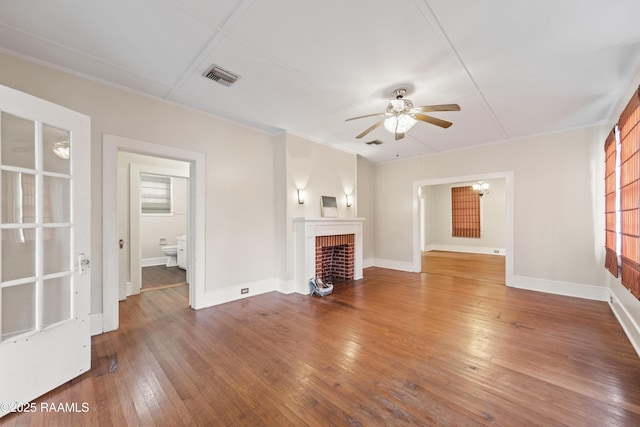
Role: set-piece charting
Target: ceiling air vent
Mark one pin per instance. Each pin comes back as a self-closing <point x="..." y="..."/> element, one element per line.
<point x="222" y="76"/>
<point x="374" y="142"/>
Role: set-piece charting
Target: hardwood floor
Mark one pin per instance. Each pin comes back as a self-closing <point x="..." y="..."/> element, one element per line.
<point x="391" y="349"/>
<point x="482" y="267"/>
<point x="160" y="276"/>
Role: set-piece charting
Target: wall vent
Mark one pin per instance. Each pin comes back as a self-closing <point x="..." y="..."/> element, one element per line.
<point x="374" y="142"/>
<point x="222" y="76"/>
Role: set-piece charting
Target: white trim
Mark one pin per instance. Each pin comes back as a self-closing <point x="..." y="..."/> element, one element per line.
<point x="111" y="145"/>
<point x="150" y="262"/>
<point x="368" y="262"/>
<point x="626" y="320"/>
<point x="233" y="293"/>
<point x="96" y="324"/>
<point x="285" y="286"/>
<point x="395" y="265"/>
<point x="576" y="290"/>
<point x="468" y="249"/>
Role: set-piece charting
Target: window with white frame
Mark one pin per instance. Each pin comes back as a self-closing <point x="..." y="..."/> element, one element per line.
<point x="156" y="195"/>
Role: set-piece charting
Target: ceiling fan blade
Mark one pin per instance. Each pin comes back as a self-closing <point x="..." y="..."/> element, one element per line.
<point x="442" y="107"/>
<point x="438" y="122"/>
<point x="370" y="128"/>
<point x="399" y="136"/>
<point x="368" y="115"/>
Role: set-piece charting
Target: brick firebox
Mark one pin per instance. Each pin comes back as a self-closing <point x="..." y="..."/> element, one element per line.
<point x="305" y="231"/>
<point x="335" y="256"/>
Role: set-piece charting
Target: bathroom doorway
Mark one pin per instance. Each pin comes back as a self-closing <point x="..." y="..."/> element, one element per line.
<point x="112" y="291"/>
<point x="156" y="212"/>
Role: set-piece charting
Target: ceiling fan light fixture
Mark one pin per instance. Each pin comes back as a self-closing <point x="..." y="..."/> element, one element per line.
<point x="401" y="115"/>
<point x="61" y="148"/>
<point x="399" y="123"/>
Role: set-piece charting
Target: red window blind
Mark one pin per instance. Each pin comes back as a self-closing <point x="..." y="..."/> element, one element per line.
<point x="630" y="194"/>
<point x="465" y="212"/>
<point x="611" y="257"/>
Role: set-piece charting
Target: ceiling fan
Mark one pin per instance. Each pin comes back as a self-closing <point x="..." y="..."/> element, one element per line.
<point x="401" y="115"/>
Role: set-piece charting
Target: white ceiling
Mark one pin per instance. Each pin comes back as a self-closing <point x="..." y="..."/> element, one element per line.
<point x="515" y="67"/>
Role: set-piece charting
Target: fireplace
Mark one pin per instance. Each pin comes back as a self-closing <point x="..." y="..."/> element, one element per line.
<point x="334" y="257"/>
<point x="316" y="240"/>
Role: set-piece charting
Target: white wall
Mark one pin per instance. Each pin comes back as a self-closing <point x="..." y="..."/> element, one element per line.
<point x="436" y="214"/>
<point x="365" y="209"/>
<point x="239" y="170"/>
<point x="557" y="203"/>
<point x="155" y="228"/>
<point x="319" y="170"/>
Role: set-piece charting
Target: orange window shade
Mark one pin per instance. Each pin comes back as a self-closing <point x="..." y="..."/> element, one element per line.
<point x="611" y="257"/>
<point x="465" y="212"/>
<point x="629" y="194"/>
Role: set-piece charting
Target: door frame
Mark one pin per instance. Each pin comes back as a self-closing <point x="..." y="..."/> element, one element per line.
<point x="508" y="176"/>
<point x="111" y="145"/>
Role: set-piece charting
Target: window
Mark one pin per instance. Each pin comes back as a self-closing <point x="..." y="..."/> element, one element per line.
<point x="155" y="194"/>
<point x="611" y="257"/>
<point x="630" y="194"/>
<point x="622" y="197"/>
<point x="465" y="212"/>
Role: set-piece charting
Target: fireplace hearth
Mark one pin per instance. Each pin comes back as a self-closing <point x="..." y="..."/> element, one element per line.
<point x="326" y="247"/>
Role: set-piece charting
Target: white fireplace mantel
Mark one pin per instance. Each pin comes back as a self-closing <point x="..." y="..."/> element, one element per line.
<point x="305" y="231"/>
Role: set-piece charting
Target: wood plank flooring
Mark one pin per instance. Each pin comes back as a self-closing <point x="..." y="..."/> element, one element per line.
<point x="482" y="267"/>
<point x="393" y="348"/>
<point x="160" y="276"/>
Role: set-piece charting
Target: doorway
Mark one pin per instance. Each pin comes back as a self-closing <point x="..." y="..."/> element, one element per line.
<point x="112" y="145"/>
<point x="423" y="232"/>
<point x="153" y="212"/>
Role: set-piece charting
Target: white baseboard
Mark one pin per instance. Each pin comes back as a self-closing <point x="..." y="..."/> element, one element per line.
<point x="285" y="286"/>
<point x="233" y="293"/>
<point x="150" y="262"/>
<point x="630" y="323"/>
<point x="95" y="321"/>
<point x="393" y="264"/>
<point x="577" y="290"/>
<point x="469" y="249"/>
<point x="368" y="262"/>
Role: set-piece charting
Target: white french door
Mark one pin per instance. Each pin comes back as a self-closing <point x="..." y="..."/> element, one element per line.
<point x="44" y="224"/>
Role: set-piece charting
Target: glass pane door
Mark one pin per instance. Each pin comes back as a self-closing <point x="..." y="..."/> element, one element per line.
<point x="36" y="273"/>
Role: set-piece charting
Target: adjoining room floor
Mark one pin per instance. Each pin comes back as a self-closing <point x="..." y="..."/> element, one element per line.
<point x="159" y="276"/>
<point x="482" y="267"/>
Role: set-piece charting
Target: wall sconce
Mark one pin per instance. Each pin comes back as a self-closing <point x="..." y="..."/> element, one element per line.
<point x="481" y="188"/>
<point x="349" y="200"/>
<point x="300" y="196"/>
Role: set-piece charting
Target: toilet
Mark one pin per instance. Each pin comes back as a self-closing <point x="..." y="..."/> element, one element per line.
<point x="171" y="252"/>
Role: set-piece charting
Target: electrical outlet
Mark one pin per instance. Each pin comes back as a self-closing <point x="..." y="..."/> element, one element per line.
<point x="244" y="290"/>
<point x="611" y="299"/>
